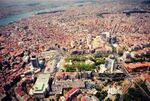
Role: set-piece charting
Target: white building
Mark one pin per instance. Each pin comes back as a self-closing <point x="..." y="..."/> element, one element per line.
<point x="41" y="86"/>
<point x="89" y="41"/>
<point x="109" y="67"/>
<point x="110" y="64"/>
<point x="126" y="55"/>
<point x="114" y="91"/>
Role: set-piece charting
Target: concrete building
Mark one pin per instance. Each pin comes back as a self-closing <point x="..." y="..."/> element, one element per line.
<point x="41" y="63"/>
<point x="110" y="64"/>
<point x="86" y="74"/>
<point x="74" y="44"/>
<point x="89" y="41"/>
<point x="106" y="35"/>
<point x="67" y="75"/>
<point x="59" y="85"/>
<point x="26" y="59"/>
<point x="113" y="40"/>
<point x="51" y="66"/>
<point x="51" y="54"/>
<point x="41" y="86"/>
<point x="71" y="94"/>
<point x="109" y="38"/>
<point x="35" y="62"/>
<point x="109" y="67"/>
<point x="89" y="98"/>
<point x="114" y="90"/>
<point x="126" y="55"/>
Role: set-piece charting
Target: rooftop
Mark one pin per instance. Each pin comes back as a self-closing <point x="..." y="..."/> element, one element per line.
<point x="137" y="65"/>
<point x="41" y="83"/>
<point x="146" y="77"/>
<point x="69" y="93"/>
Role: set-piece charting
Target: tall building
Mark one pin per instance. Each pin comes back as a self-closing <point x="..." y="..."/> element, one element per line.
<point x="41" y="63"/>
<point x="35" y="61"/>
<point x="113" y="40"/>
<point x="89" y="40"/>
<point x="110" y="64"/>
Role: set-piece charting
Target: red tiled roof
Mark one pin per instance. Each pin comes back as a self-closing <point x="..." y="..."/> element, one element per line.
<point x="83" y="99"/>
<point x="137" y="65"/>
<point x="63" y="74"/>
<point x="146" y="77"/>
<point x="19" y="91"/>
<point x="67" y="95"/>
<point x="26" y="97"/>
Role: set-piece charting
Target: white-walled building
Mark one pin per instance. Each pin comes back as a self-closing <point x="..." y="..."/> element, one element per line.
<point x="41" y="86"/>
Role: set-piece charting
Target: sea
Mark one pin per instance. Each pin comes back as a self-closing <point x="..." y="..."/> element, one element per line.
<point x="16" y="17"/>
<point x="26" y="8"/>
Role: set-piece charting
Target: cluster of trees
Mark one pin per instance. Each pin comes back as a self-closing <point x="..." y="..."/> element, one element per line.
<point x="100" y="55"/>
<point x="147" y="56"/>
<point x="141" y="59"/>
<point x="69" y="68"/>
<point x="134" y="94"/>
<point x="134" y="60"/>
<point x="101" y="95"/>
<point x="113" y="49"/>
<point x="79" y="67"/>
<point x="85" y="67"/>
<point x="144" y="86"/>
<point x="120" y="53"/>
<point x="79" y="64"/>
<point x="77" y="58"/>
<point x="99" y="61"/>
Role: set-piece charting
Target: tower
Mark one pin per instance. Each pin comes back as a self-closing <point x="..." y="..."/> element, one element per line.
<point x="34" y="61"/>
<point x="89" y="40"/>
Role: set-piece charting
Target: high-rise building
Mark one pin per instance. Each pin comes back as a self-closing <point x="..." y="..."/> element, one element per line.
<point x="113" y="40"/>
<point x="41" y="63"/>
<point x="109" y="64"/>
<point x="89" y="40"/>
<point x="35" y="61"/>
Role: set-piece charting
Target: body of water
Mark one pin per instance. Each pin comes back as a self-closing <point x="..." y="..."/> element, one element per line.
<point x="13" y="18"/>
<point x="25" y="8"/>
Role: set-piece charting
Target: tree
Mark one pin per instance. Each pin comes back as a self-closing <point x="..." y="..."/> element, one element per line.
<point x="100" y="61"/>
<point x="85" y="67"/>
<point x="70" y="69"/>
<point x="127" y="97"/>
<point x="120" y="53"/>
<point x="113" y="49"/>
<point x="98" y="55"/>
<point x="134" y="94"/>
<point x="117" y="97"/>
<point x="108" y="99"/>
<point x="99" y="89"/>
<point x="101" y="95"/>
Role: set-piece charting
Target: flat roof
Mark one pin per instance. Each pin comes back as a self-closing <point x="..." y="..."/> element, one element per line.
<point x="41" y="83"/>
<point x="50" y="66"/>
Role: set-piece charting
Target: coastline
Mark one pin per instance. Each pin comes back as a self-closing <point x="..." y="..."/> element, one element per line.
<point x="4" y="21"/>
